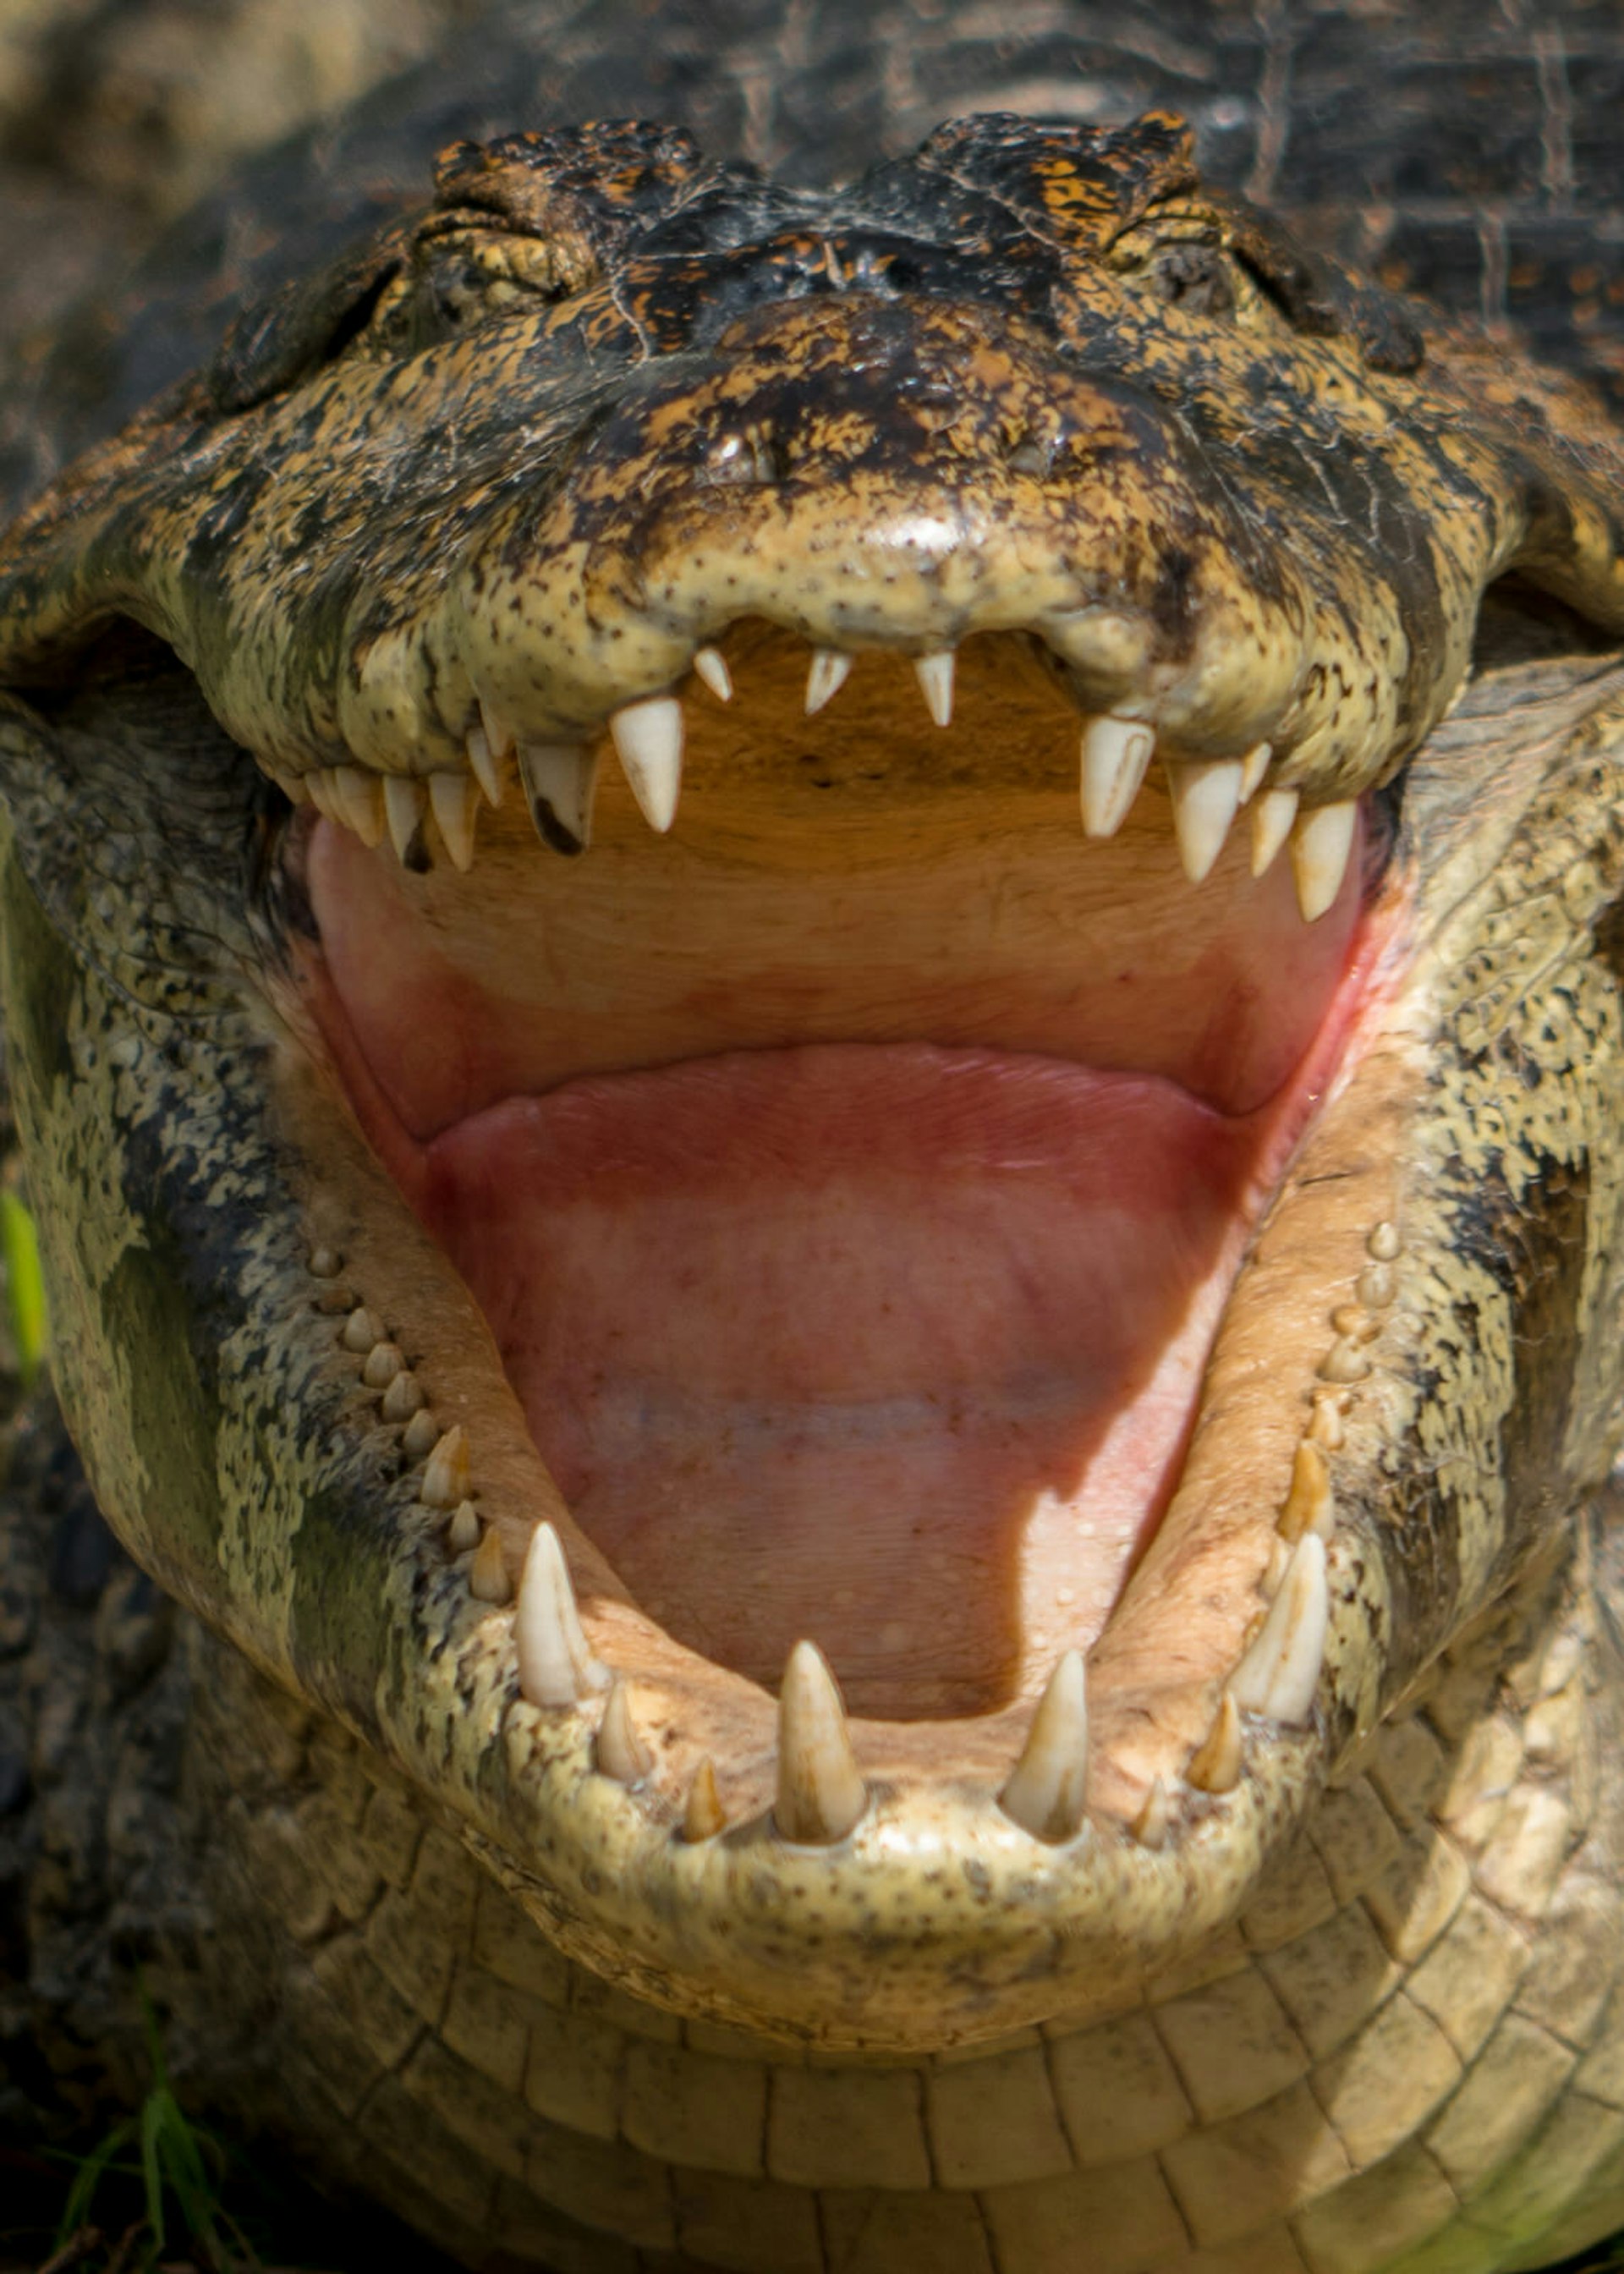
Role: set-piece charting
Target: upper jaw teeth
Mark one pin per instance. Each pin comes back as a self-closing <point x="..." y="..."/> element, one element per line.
<point x="560" y="781"/>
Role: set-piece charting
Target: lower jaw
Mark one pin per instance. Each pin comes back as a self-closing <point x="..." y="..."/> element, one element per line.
<point x="889" y="1346"/>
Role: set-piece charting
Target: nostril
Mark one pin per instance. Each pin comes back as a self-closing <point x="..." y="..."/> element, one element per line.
<point x="1030" y="454"/>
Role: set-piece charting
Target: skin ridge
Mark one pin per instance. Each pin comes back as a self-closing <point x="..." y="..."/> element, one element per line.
<point x="1450" y="1917"/>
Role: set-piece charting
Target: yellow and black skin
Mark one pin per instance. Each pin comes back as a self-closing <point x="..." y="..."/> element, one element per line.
<point x="595" y="355"/>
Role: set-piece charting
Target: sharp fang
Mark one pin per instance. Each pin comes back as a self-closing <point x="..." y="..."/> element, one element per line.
<point x="462" y="1532"/>
<point x="1254" y="765"/>
<point x="1215" y="1764"/>
<point x="1206" y="800"/>
<point x="498" y="734"/>
<point x="555" y="1666"/>
<point x="319" y="787"/>
<point x="384" y="1361"/>
<point x="456" y="801"/>
<point x="1150" y="1825"/>
<point x="487" y="1574"/>
<point x="402" y="1399"/>
<point x="359" y="802"/>
<point x="482" y="762"/>
<point x="935" y="674"/>
<point x="821" y="1792"/>
<point x="1272" y="817"/>
<point x="446" y="1473"/>
<point x="621" y="1753"/>
<point x="703" y="1818"/>
<point x="711" y="666"/>
<point x="1309" y="1504"/>
<point x="402" y="806"/>
<point x="648" y="739"/>
<point x="420" y="1435"/>
<point x="560" y="781"/>
<point x="1281" y="1672"/>
<point x="827" y="676"/>
<point x="1117" y="754"/>
<point x="1320" y="843"/>
<point x="1046" y="1793"/>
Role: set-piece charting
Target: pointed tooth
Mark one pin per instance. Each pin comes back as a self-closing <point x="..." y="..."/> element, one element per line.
<point x="555" y="1666"/>
<point x="1046" y="1793"/>
<point x="1254" y="765"/>
<point x="402" y="1399"/>
<point x="703" y="1817"/>
<point x="359" y="798"/>
<point x="1215" y="1764"/>
<point x="621" y="1753"/>
<point x="446" y="1472"/>
<point x="1150" y="1827"/>
<point x="935" y="674"/>
<point x="456" y="801"/>
<point x="560" y="781"/>
<point x="1272" y="817"/>
<point x="462" y="1532"/>
<point x="711" y="666"/>
<point x="319" y="784"/>
<point x="482" y="762"/>
<point x="1309" y="1504"/>
<point x="402" y="806"/>
<point x="1281" y="1672"/>
<point x="1206" y="800"/>
<point x="826" y="677"/>
<point x="360" y="1332"/>
<point x="1117" y="754"/>
<point x="1320" y="843"/>
<point x="487" y="1574"/>
<point x="648" y="740"/>
<point x="821" y="1792"/>
<point x="498" y="734"/>
<point x="420" y="1435"/>
<point x="384" y="1361"/>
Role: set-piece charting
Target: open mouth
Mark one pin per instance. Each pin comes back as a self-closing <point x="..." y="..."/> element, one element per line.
<point x="818" y="1355"/>
<point x="853" y="1179"/>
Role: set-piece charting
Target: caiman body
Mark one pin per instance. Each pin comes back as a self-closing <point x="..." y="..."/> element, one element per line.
<point x="1142" y="1292"/>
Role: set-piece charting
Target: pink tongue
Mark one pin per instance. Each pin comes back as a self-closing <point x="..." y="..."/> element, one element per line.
<point x="890" y="1345"/>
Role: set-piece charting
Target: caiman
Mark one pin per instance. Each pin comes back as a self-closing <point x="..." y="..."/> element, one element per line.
<point x="812" y="953"/>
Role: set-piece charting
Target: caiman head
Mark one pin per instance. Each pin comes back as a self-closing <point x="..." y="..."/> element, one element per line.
<point x="618" y="1158"/>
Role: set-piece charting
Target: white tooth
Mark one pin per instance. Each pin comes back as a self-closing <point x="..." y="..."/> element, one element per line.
<point x="648" y="739"/>
<point x="403" y="805"/>
<point x="487" y="1574"/>
<point x="711" y="665"/>
<point x="1320" y="843"/>
<point x="555" y="1665"/>
<point x="359" y="802"/>
<point x="383" y="1363"/>
<point x="1215" y="1764"/>
<point x="456" y="801"/>
<point x="621" y="1753"/>
<point x="498" y="734"/>
<point x="560" y="780"/>
<point x="1150" y="1825"/>
<point x="1046" y="1793"/>
<point x="1281" y="1672"/>
<point x="361" y="1331"/>
<point x="482" y="759"/>
<point x="462" y="1533"/>
<point x="704" y="1816"/>
<point x="1206" y="800"/>
<point x="1117" y="754"/>
<point x="1272" y="817"/>
<point x="1254" y="765"/>
<point x="420" y="1435"/>
<point x="935" y="674"/>
<point x="447" y="1472"/>
<point x="827" y="676"/>
<point x="821" y="1792"/>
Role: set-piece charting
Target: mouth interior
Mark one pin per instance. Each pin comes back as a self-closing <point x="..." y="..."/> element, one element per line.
<point x="852" y="1180"/>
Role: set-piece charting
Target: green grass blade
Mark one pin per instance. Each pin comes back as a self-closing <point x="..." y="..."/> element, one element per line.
<point x="19" y="1247"/>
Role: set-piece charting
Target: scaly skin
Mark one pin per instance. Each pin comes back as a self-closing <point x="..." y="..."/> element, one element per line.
<point x="1327" y="1989"/>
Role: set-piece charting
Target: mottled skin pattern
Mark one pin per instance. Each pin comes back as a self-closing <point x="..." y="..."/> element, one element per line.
<point x="1351" y="2009"/>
